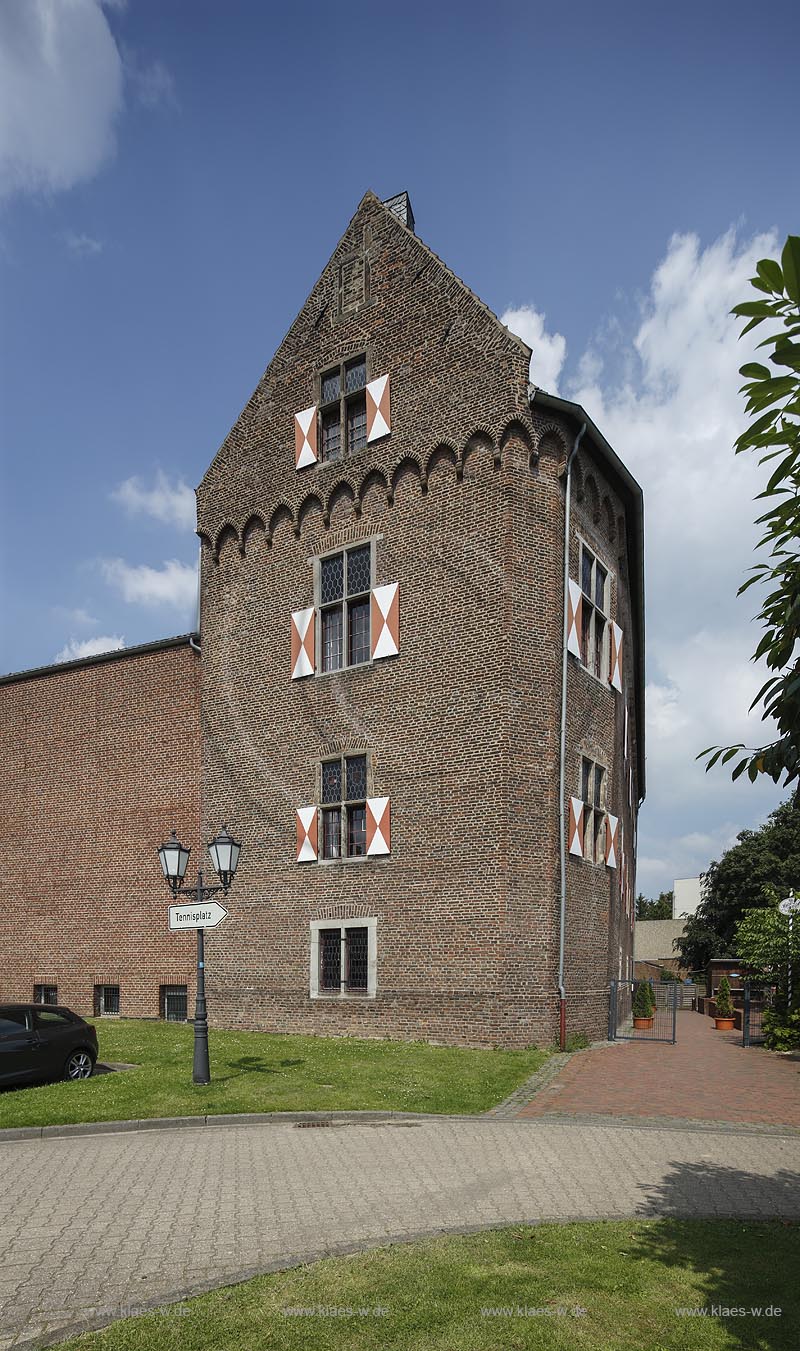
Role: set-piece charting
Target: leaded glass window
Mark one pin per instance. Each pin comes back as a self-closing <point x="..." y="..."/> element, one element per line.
<point x="332" y="579"/>
<point x="345" y="580"/>
<point x="356" y="776"/>
<point x="332" y="639"/>
<point x="593" y="795"/>
<point x="344" y="790"/>
<point x="355" y="375"/>
<point x="343" y="409"/>
<point x="331" y="832"/>
<point x="594" y="622"/>
<point x="356" y="831"/>
<point x="356" y="425"/>
<point x="331" y="436"/>
<point x="332" y="781"/>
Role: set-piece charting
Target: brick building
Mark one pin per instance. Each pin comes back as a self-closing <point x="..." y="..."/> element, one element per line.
<point x="386" y="653"/>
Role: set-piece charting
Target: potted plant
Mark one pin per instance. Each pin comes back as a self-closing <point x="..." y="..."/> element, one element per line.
<point x="723" y="1009"/>
<point x="644" y="1005"/>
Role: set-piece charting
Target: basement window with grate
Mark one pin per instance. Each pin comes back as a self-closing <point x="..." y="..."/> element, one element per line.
<point x="343" y="958"/>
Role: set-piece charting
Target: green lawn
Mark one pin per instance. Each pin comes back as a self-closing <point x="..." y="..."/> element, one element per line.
<point x="258" y="1072"/>
<point x="577" y="1287"/>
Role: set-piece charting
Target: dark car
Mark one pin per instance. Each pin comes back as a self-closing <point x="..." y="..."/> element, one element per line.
<point x="44" y="1041"/>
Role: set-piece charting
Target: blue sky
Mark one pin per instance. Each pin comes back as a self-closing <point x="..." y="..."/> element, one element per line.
<point x="174" y="176"/>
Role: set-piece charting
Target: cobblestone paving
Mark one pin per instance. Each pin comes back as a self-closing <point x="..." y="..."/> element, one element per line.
<point x="97" y="1227"/>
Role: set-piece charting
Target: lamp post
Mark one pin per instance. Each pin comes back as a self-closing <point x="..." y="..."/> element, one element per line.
<point x="174" y="858"/>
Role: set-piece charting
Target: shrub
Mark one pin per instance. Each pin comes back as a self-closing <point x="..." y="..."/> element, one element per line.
<point x="644" y="1000"/>
<point x="782" y="1029"/>
<point x="724" y="1006"/>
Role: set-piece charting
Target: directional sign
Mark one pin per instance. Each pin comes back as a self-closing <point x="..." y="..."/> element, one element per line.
<point x="206" y="916"/>
<point x="791" y="906"/>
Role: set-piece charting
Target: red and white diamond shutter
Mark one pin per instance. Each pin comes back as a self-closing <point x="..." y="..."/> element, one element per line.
<point x="379" y="415"/>
<point x="306" y="834"/>
<point x="574" y="613"/>
<point x="385" y="620"/>
<point x="575" y="834"/>
<point x="379" y="832"/>
<point x="305" y="438"/>
<point x="615" y="657"/>
<point x="612" y="840"/>
<point x="303" y="631"/>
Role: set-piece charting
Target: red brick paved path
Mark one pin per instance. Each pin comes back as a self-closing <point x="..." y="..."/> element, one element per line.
<point x="707" y="1075"/>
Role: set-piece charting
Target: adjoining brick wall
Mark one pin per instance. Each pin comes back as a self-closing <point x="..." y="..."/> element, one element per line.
<point x="100" y="761"/>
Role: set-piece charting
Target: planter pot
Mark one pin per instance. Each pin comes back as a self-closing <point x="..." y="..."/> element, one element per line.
<point x="642" y="1023"/>
<point x="723" y="1024"/>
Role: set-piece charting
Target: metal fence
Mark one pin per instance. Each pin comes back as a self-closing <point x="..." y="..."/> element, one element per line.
<point x="662" y="1025"/>
<point x="758" y="999"/>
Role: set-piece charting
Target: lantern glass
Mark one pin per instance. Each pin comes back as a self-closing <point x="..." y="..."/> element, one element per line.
<point x="174" y="859"/>
<point x="224" y="852"/>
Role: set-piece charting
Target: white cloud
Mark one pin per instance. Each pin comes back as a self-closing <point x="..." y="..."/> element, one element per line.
<point x="78" y="618"/>
<point x="60" y="93"/>
<point x="549" y="349"/>
<point x="89" y="647"/>
<point x="151" y="81"/>
<point x="173" y="503"/>
<point x="174" y="584"/>
<point x="82" y="246"/>
<point x="664" y="390"/>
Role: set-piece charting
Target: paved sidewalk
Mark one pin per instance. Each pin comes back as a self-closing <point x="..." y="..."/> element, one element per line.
<point x="99" y="1227"/>
<point x="706" y="1076"/>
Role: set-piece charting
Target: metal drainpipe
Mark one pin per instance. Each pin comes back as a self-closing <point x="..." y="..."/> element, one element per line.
<point x="562" y="1000"/>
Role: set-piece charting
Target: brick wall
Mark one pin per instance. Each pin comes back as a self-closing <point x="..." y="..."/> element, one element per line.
<point x="100" y="760"/>
<point x="465" y="501"/>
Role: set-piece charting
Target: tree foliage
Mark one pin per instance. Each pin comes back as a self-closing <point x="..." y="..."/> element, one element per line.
<point x="773" y="404"/>
<point x="661" y="908"/>
<point x="762" y="941"/>
<point x="762" y="859"/>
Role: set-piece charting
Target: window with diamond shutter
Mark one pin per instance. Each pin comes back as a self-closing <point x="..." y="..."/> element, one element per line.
<point x="378" y="825"/>
<point x="574" y="617"/>
<point x="303" y="655"/>
<point x="612" y="840"/>
<point x="575" y="835"/>
<point x="379" y="419"/>
<point x="615" y="657"/>
<point x="385" y="616"/>
<point x="305" y="438"/>
<point x="306" y="821"/>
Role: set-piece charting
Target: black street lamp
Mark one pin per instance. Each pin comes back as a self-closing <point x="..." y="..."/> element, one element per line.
<point x="224" y="852"/>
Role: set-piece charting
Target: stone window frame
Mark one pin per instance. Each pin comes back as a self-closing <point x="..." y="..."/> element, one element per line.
<point x="596" y="813"/>
<point x="342" y="924"/>
<point x="591" y="610"/>
<point x="317" y="562"/>
<point x="342" y="755"/>
<point x="344" y="402"/>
